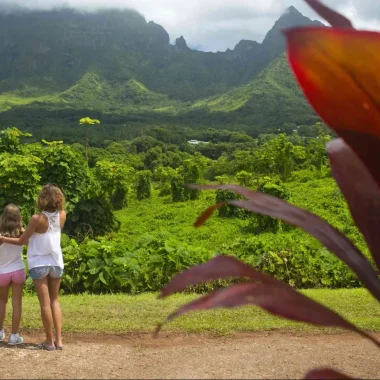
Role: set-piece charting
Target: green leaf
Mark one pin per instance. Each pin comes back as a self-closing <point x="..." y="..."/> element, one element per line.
<point x="102" y="279"/>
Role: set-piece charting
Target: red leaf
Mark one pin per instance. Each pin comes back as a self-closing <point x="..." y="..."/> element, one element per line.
<point x="220" y="267"/>
<point x="338" y="72"/>
<point x="332" y="239"/>
<point x="334" y="18"/>
<point x="206" y="214"/>
<point x="325" y="373"/>
<point x="277" y="298"/>
<point x="361" y="192"/>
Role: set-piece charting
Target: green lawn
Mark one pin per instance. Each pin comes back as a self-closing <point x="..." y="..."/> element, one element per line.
<point x="125" y="314"/>
<point x="176" y="219"/>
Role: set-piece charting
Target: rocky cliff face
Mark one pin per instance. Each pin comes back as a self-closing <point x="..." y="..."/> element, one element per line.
<point x="181" y="44"/>
<point x="274" y="43"/>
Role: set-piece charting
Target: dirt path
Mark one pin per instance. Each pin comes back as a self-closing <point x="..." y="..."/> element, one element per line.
<point x="269" y="355"/>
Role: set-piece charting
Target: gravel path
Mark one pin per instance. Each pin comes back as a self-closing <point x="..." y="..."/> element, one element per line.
<point x="264" y="355"/>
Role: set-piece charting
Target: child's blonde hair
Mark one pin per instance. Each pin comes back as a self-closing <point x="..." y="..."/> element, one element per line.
<point x="11" y="222"/>
<point x="50" y="197"/>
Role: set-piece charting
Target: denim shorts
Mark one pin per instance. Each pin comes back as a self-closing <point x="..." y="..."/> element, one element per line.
<point x="38" y="273"/>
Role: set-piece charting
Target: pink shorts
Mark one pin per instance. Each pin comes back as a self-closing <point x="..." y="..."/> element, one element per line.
<point x="18" y="277"/>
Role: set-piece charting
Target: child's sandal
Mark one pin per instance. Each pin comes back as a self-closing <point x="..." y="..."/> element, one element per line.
<point x="59" y="348"/>
<point x="43" y="346"/>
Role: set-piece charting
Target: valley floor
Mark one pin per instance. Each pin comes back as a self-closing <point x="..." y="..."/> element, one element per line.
<point x="254" y="355"/>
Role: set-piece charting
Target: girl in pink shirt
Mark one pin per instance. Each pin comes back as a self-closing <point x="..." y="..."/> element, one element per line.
<point x="12" y="271"/>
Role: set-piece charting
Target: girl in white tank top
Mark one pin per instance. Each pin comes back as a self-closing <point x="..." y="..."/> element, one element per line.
<point x="44" y="249"/>
<point x="45" y="259"/>
<point x="12" y="271"/>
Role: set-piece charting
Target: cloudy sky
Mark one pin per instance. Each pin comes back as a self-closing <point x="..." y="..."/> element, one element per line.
<point x="213" y="25"/>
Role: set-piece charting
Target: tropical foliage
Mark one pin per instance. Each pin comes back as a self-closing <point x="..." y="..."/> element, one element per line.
<point x="128" y="208"/>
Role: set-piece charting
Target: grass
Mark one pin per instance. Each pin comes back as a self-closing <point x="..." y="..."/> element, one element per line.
<point x="9" y="100"/>
<point x="121" y="313"/>
<point x="161" y="215"/>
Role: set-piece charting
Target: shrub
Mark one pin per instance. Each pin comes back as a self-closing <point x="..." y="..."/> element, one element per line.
<point x="177" y="189"/>
<point x="119" y="199"/>
<point x="143" y="185"/>
<point x="64" y="167"/>
<point x="10" y="140"/>
<point x="227" y="211"/>
<point x="20" y="181"/>
<point x="114" y="178"/>
<point x="93" y="213"/>
<point x="191" y="174"/>
<point x="263" y="223"/>
<point x="101" y="265"/>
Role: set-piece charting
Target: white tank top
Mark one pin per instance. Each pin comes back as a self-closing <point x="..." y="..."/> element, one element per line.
<point x="45" y="249"/>
<point x="10" y="258"/>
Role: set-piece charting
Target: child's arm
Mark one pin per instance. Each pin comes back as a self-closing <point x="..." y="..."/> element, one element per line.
<point x="22" y="231"/>
<point x="24" y="238"/>
<point x="62" y="218"/>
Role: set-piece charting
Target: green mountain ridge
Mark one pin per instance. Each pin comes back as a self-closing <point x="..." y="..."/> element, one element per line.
<point x="94" y="93"/>
<point x="116" y="63"/>
<point x="276" y="78"/>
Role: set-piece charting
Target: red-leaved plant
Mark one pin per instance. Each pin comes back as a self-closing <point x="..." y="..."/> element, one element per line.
<point x="338" y="70"/>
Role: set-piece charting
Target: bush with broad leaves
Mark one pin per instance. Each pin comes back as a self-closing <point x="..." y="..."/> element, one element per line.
<point x="114" y="179"/>
<point x="191" y="174"/>
<point x="143" y="185"/>
<point x="338" y="72"/>
<point x="177" y="188"/>
<point x="64" y="167"/>
<point x="10" y="140"/>
<point x="263" y="223"/>
<point x="19" y="172"/>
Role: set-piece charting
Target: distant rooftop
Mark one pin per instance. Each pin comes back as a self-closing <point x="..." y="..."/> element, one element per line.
<point x="196" y="142"/>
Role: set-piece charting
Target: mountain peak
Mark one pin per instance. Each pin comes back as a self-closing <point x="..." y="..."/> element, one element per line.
<point x="246" y="45"/>
<point x="181" y="43"/>
<point x="290" y="10"/>
<point x="292" y="18"/>
<point x="274" y="42"/>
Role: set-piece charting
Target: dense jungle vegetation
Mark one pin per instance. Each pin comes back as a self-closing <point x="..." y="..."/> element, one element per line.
<point x="130" y="217"/>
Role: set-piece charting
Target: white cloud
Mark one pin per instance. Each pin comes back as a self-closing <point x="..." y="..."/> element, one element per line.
<point x="361" y="21"/>
<point x="214" y="24"/>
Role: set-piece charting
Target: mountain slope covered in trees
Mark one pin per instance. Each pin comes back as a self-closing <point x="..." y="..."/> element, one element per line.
<point x="65" y="62"/>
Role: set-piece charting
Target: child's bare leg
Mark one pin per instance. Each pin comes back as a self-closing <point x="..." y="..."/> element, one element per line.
<point x="16" y="305"/>
<point x="54" y="284"/>
<point x="46" y="315"/>
<point x="4" y="294"/>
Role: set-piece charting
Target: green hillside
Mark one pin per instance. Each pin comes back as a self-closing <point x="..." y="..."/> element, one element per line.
<point x="60" y="65"/>
<point x="276" y="82"/>
<point x="272" y="98"/>
<point x="95" y="93"/>
<point x="11" y="100"/>
<point x="273" y="87"/>
<point x="92" y="92"/>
